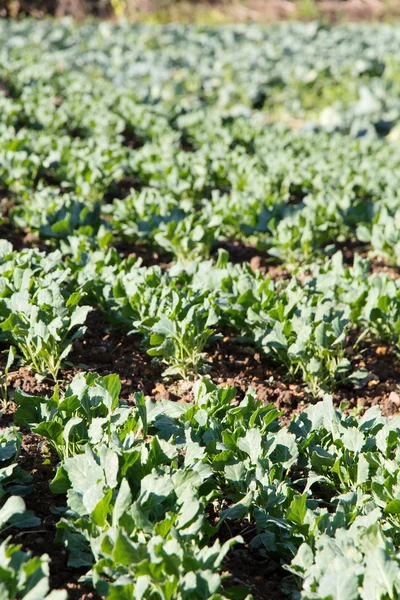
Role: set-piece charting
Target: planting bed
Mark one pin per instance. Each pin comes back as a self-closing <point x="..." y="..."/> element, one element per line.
<point x="199" y="312"/>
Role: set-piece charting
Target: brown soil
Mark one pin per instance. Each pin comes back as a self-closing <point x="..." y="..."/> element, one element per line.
<point x="18" y="238"/>
<point x="112" y="351"/>
<point x="240" y="252"/>
<point x="243" y="366"/>
<point x="383" y="381"/>
<point x="379" y="265"/>
<point x="149" y="257"/>
<point x="108" y="350"/>
<point x="121" y="189"/>
<point x="262" y="576"/>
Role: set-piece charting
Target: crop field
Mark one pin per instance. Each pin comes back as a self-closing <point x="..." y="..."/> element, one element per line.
<point x="199" y="312"/>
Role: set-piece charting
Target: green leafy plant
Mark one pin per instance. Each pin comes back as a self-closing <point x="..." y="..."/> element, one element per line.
<point x="180" y="337"/>
<point x="25" y="576"/>
<point x="43" y="326"/>
<point x="88" y="411"/>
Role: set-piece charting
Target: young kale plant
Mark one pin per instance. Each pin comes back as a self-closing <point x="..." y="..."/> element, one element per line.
<point x="176" y="321"/>
<point x="180" y="338"/>
<point x="42" y="326"/>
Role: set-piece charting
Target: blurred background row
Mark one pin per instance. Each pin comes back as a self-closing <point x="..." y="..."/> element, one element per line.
<point x="207" y="11"/>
